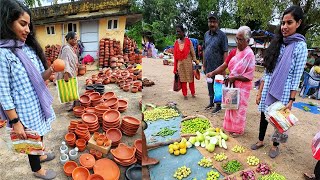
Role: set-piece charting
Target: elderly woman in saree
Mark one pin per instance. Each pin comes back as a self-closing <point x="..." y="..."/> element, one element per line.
<point x="241" y="64"/>
<point x="69" y="55"/>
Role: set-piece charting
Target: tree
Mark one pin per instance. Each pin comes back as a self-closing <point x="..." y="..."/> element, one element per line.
<point x="32" y="3"/>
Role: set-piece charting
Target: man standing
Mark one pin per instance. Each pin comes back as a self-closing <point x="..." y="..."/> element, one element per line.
<point x="215" y="53"/>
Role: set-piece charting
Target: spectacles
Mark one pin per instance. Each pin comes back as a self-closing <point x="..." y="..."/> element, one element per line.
<point x="239" y="40"/>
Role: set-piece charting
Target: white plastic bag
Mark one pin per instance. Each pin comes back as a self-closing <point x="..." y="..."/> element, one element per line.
<point x="230" y="97"/>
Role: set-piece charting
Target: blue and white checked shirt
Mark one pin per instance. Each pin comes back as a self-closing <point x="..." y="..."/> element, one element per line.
<point x="296" y="70"/>
<point x="17" y="92"/>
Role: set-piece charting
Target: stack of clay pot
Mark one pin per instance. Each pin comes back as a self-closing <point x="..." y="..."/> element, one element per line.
<point x="111" y="119"/>
<point x="115" y="135"/>
<point x="73" y="125"/>
<point x="108" y="48"/>
<point x="138" y="146"/>
<point x="81" y="144"/>
<point x="52" y="52"/>
<point x="124" y="155"/>
<point x="99" y="110"/>
<point x="112" y="103"/>
<point x="78" y="111"/>
<point x="95" y="98"/>
<point x="85" y="100"/>
<point x="82" y="131"/>
<point x="109" y="95"/>
<point x="70" y="139"/>
<point x="130" y="125"/>
<point x="91" y="120"/>
<point x="122" y="105"/>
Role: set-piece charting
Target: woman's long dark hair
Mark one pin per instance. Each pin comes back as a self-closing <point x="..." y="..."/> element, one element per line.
<point x="10" y="11"/>
<point x="273" y="51"/>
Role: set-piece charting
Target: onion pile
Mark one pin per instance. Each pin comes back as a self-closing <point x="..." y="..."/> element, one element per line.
<point x="263" y="169"/>
<point x="247" y="175"/>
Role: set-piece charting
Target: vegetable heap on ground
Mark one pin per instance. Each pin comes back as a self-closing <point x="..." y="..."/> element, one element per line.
<point x="213" y="175"/>
<point x="157" y="113"/>
<point x="205" y="162"/>
<point x="232" y="166"/>
<point x="193" y="125"/>
<point x="182" y="172"/>
<point x="166" y="131"/>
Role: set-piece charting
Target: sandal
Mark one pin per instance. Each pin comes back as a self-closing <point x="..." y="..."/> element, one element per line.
<point x="50" y="156"/>
<point x="235" y="135"/>
<point x="309" y="176"/>
<point x="255" y="146"/>
<point x="274" y="153"/>
<point x="50" y="174"/>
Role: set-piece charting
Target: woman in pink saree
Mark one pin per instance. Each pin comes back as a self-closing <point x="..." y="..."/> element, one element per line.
<point x="241" y="64"/>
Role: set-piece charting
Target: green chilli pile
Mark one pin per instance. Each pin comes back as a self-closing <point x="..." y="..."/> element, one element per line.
<point x="182" y="172"/>
<point x="193" y="125"/>
<point x="160" y="113"/>
<point x="273" y="176"/>
<point x="165" y="132"/>
<point x="213" y="175"/>
<point x="204" y="162"/>
<point x="232" y="166"/>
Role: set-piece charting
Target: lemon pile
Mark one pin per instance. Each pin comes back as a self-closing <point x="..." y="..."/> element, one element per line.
<point x="178" y="148"/>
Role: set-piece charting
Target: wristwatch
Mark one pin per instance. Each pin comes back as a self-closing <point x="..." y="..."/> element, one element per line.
<point x="292" y="99"/>
<point x="14" y="121"/>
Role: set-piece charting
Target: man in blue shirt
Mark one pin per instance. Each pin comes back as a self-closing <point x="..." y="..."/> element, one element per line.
<point x="215" y="53"/>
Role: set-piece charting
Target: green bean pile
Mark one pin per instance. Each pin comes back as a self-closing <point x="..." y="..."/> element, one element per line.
<point x="273" y="176"/>
<point x="165" y="132"/>
<point x="232" y="166"/>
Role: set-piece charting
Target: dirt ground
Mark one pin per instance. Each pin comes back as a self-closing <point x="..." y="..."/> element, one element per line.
<point x="15" y="166"/>
<point x="295" y="157"/>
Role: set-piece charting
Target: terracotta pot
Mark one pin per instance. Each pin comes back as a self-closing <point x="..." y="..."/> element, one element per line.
<point x="107" y="142"/>
<point x="98" y="155"/>
<point x="68" y="167"/>
<point x="106" y="81"/>
<point x="99" y="141"/>
<point x="80" y="173"/>
<point x="134" y="89"/>
<point x="95" y="177"/>
<point x="92" y="152"/>
<point x="69" y="137"/>
<point x="126" y="88"/>
<point x="87" y="160"/>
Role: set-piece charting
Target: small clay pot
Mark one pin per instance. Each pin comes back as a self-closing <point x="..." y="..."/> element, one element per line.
<point x="134" y="89"/>
<point x="98" y="155"/>
<point x="99" y="142"/>
<point x="96" y="135"/>
<point x="92" y="152"/>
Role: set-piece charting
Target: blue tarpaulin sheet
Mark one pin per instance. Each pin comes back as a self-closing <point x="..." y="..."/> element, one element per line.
<point x="155" y="126"/>
<point x="313" y="109"/>
<point x="170" y="163"/>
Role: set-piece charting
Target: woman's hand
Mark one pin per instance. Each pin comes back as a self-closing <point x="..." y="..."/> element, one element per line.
<point x="232" y="80"/>
<point x="19" y="130"/>
<point x="258" y="98"/>
<point x="289" y="105"/>
<point x="209" y="75"/>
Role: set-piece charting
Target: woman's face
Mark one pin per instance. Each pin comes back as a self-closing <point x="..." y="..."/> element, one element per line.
<point x="241" y="41"/>
<point x="289" y="25"/>
<point x="21" y="27"/>
<point x="73" y="41"/>
<point x="179" y="33"/>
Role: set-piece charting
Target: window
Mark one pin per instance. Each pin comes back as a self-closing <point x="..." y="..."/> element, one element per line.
<point x="72" y="27"/>
<point x="113" y="23"/>
<point x="50" y="29"/>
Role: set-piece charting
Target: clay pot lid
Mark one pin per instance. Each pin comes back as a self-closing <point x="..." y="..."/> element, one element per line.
<point x="89" y="118"/>
<point x="80" y="173"/>
<point x="123" y="152"/>
<point x="87" y="160"/>
<point x="69" y="166"/>
<point x="85" y="99"/>
<point x="122" y="103"/>
<point x="131" y="120"/>
<point x="111" y="102"/>
<point x="69" y="136"/>
<point x="106" y="168"/>
<point x="111" y="116"/>
<point x="138" y="144"/>
<point x="108" y="95"/>
<point x="78" y="109"/>
<point x="90" y="110"/>
<point x="114" y="134"/>
<point x="95" y="177"/>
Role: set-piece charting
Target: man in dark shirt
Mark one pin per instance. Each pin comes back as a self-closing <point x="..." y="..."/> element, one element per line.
<point x="215" y="53"/>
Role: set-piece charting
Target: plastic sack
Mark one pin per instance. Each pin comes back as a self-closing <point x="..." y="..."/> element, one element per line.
<point x="315" y="146"/>
<point x="33" y="145"/>
<point x="280" y="117"/>
<point x="217" y="87"/>
<point x="230" y="97"/>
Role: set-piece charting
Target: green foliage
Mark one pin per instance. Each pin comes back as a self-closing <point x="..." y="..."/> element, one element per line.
<point x="32" y="3"/>
<point x="134" y="32"/>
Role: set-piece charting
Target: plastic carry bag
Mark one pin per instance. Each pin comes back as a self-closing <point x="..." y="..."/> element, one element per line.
<point x="230" y="97"/>
<point x="68" y="91"/>
<point x="280" y="117"/>
<point x="33" y="145"/>
<point x="315" y="146"/>
<point x="217" y="87"/>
